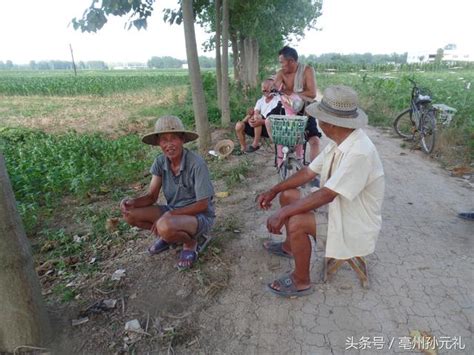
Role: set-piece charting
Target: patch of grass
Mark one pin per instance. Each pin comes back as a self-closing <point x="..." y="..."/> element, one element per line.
<point x="231" y="174"/>
<point x="65" y="294"/>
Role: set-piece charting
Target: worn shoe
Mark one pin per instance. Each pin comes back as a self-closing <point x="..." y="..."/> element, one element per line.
<point x="287" y="288"/>
<point x="187" y="258"/>
<point x="158" y="246"/>
<point x="466" y="215"/>
<point x="276" y="248"/>
<point x="252" y="149"/>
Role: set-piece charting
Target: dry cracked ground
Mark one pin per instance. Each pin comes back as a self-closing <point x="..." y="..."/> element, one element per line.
<point x="421" y="278"/>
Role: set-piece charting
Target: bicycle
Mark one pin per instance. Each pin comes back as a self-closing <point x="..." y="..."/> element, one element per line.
<point x="419" y="119"/>
<point x="289" y="132"/>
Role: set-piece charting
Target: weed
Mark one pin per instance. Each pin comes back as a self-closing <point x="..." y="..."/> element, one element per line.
<point x="66" y="294"/>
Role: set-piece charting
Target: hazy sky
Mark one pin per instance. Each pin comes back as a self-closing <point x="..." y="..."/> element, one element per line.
<point x="38" y="30"/>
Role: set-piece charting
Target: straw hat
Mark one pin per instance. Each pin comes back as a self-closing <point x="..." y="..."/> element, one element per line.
<point x="169" y="124"/>
<point x="224" y="147"/>
<point x="339" y="107"/>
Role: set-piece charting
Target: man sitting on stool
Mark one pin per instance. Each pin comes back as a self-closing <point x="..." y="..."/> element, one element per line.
<point x="352" y="183"/>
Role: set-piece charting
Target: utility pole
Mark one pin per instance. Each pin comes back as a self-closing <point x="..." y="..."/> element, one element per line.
<point x="73" y="63"/>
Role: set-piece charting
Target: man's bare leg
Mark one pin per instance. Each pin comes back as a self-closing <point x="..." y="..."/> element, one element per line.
<point x="297" y="243"/>
<point x="268" y="125"/>
<point x="300" y="227"/>
<point x="240" y="133"/>
<point x="179" y="229"/>
<point x="256" y="136"/>
<point x="143" y="217"/>
<point x="313" y="143"/>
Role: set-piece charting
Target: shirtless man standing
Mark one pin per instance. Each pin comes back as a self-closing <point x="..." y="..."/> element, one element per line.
<point x="297" y="78"/>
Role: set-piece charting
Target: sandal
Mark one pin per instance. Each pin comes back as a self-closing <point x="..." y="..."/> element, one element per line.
<point x="158" y="246"/>
<point x="187" y="258"/>
<point x="288" y="288"/>
<point x="276" y="248"/>
<point x="251" y="149"/>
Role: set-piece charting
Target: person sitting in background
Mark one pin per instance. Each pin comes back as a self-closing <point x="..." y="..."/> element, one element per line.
<point x="187" y="188"/>
<point x="253" y="124"/>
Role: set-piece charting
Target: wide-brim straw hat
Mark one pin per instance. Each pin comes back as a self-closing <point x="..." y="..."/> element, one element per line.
<point x="169" y="124"/>
<point x="224" y="147"/>
<point x="339" y="106"/>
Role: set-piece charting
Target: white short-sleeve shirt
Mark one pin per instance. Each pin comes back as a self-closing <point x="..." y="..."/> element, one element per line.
<point x="266" y="107"/>
<point x="355" y="215"/>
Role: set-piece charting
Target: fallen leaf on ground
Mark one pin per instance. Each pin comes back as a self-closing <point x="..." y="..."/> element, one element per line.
<point x="111" y="224"/>
<point x="459" y="171"/>
<point x="49" y="245"/>
<point x="222" y="194"/>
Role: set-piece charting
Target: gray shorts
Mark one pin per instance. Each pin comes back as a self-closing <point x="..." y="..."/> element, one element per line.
<point x="205" y="222"/>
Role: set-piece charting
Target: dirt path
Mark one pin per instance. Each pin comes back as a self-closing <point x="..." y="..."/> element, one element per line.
<point x="421" y="273"/>
<point x="421" y="278"/>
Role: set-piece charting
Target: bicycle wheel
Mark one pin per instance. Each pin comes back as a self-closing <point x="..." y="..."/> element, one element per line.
<point x="289" y="167"/>
<point x="428" y="131"/>
<point x="404" y="124"/>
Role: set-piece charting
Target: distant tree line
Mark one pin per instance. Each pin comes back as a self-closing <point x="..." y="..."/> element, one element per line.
<point x="171" y="63"/>
<point x="327" y="61"/>
<point x="53" y="65"/>
<point x="366" y="58"/>
<point x="153" y="63"/>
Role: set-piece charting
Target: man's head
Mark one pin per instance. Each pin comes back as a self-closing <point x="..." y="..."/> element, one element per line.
<point x="166" y="126"/>
<point x="338" y="109"/>
<point x="267" y="86"/>
<point x="288" y="58"/>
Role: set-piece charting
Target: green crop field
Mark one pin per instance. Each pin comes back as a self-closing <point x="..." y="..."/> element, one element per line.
<point x="64" y="135"/>
<point x="62" y="83"/>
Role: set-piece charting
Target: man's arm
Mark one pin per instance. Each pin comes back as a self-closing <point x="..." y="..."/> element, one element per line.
<point x="280" y="84"/>
<point x="146" y="200"/>
<point x="303" y="176"/>
<point x="192" y="209"/>
<point x="309" y="85"/>
<point x="315" y="200"/>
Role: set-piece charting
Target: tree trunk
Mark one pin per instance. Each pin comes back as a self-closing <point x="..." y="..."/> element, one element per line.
<point x="23" y="317"/>
<point x="249" y="57"/>
<point x="235" y="53"/>
<point x="218" y="54"/>
<point x="248" y="62"/>
<point x="199" y="101"/>
<point x="225" y="118"/>
<point x="243" y="63"/>
<point x="255" y="62"/>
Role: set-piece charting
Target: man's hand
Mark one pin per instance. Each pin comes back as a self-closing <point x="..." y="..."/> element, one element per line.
<point x="256" y="121"/>
<point x="264" y="200"/>
<point x="126" y="205"/>
<point x="275" y="223"/>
